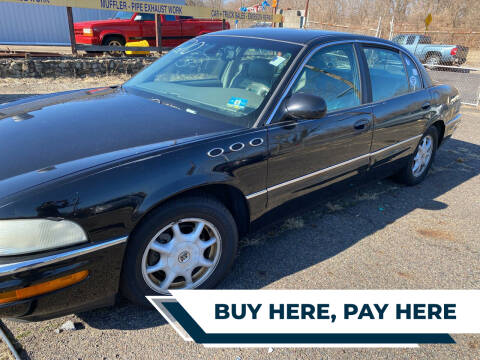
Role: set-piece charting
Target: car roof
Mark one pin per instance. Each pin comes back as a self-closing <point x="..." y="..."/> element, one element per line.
<point x="299" y="36"/>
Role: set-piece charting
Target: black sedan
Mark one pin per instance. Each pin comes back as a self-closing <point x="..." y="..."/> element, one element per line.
<point x="146" y="187"/>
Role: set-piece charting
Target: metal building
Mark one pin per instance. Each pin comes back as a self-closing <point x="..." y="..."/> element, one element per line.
<point x="45" y="25"/>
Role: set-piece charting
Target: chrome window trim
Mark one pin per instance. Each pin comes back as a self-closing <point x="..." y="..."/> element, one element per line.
<point x="278" y="90"/>
<point x="297" y="74"/>
<point x="318" y="172"/>
<point x="404" y="53"/>
<point x="13" y="268"/>
<point x="310" y="55"/>
<point x="256" y="38"/>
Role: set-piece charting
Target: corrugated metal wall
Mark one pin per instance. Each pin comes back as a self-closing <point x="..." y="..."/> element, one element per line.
<point x="45" y="25"/>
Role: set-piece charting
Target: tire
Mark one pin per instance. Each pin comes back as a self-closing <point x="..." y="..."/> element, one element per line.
<point x="114" y="41"/>
<point x="433" y="61"/>
<point x="157" y="232"/>
<point x="407" y="175"/>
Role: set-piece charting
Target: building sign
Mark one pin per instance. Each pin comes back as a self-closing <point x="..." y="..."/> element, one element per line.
<point x="156" y="8"/>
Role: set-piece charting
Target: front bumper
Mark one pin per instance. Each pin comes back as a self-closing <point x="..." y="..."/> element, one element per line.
<point x="87" y="40"/>
<point x="102" y="260"/>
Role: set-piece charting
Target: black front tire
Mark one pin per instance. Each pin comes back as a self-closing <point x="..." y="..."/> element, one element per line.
<point x="406" y="175"/>
<point x="133" y="285"/>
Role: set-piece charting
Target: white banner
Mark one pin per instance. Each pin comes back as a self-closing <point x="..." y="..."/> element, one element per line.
<point x="331" y="311"/>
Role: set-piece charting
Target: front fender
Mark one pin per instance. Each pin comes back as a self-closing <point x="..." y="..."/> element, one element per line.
<point x="105" y="33"/>
<point x="109" y="202"/>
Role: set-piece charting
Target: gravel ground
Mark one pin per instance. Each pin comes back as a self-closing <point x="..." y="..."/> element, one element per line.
<point x="380" y="236"/>
<point x="11" y="89"/>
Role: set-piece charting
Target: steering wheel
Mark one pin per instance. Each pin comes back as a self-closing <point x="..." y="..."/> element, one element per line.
<point x="258" y="88"/>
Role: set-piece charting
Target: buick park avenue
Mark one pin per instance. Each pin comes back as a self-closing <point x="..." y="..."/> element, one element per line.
<point x="146" y="187"/>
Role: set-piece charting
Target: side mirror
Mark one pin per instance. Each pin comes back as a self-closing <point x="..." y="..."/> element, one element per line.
<point x="302" y="106"/>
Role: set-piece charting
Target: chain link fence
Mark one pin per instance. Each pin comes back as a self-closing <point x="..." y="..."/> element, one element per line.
<point x="451" y="56"/>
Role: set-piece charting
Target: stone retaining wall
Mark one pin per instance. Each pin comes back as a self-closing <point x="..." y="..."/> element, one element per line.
<point x="71" y="67"/>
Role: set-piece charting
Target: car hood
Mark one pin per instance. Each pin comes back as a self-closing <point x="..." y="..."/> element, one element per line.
<point x="87" y="127"/>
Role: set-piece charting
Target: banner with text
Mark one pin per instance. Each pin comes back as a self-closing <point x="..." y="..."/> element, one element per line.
<point x="312" y="317"/>
<point x="157" y="8"/>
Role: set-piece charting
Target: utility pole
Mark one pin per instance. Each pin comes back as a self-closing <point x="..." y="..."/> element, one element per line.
<point x="306" y="14"/>
<point x="274" y="10"/>
<point x="71" y="31"/>
<point x="158" y="33"/>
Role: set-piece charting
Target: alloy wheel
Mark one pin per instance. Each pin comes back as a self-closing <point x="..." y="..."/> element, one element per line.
<point x="423" y="156"/>
<point x="182" y="255"/>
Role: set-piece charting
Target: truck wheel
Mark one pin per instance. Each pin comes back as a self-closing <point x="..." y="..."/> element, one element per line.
<point x="114" y="41"/>
<point x="433" y="60"/>
<point x="421" y="160"/>
<point x="185" y="244"/>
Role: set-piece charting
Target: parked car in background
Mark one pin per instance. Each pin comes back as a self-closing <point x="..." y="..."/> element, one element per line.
<point x="128" y="26"/>
<point x="432" y="54"/>
<point x="147" y="187"/>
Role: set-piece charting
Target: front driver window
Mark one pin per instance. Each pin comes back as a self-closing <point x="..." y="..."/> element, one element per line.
<point x="332" y="73"/>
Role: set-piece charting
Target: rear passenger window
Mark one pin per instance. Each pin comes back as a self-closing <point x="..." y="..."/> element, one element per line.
<point x="332" y="73"/>
<point x="387" y="73"/>
<point x="170" y="18"/>
<point x="414" y="79"/>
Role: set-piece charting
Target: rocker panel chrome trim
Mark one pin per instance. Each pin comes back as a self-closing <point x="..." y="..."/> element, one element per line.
<point x="301" y="178"/>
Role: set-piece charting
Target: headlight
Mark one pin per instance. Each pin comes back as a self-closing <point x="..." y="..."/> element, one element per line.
<point x="87" y="31"/>
<point x="32" y="235"/>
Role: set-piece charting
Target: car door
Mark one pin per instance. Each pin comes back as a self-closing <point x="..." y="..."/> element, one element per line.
<point x="171" y="31"/>
<point x="147" y="26"/>
<point x="307" y="155"/>
<point x="400" y="104"/>
<point x="190" y="27"/>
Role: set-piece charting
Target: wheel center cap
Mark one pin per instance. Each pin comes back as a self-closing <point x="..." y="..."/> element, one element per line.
<point x="183" y="257"/>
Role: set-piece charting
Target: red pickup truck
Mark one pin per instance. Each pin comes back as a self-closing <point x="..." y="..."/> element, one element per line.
<point x="128" y="26"/>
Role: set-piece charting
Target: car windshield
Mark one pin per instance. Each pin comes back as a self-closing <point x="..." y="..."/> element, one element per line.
<point x="227" y="78"/>
<point x="123" y="15"/>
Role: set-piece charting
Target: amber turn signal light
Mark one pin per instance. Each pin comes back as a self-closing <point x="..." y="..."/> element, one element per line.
<point x="42" y="288"/>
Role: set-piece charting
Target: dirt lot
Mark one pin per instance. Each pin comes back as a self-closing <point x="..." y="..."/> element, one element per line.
<point x="380" y="236"/>
<point x="11" y="89"/>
